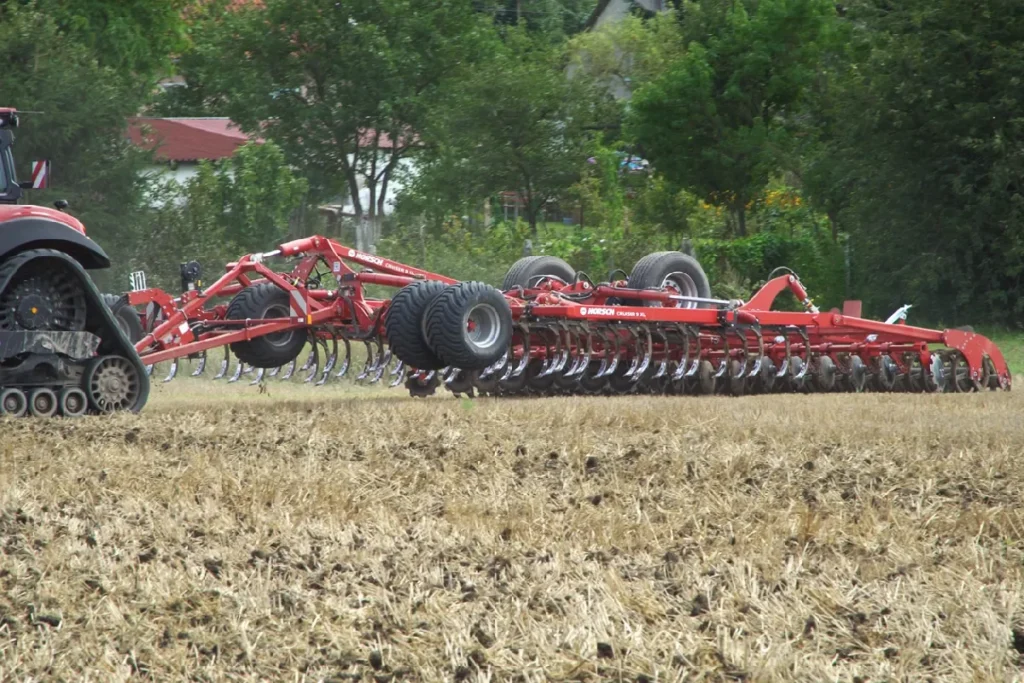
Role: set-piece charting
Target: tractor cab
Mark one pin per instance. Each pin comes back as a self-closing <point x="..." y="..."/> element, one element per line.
<point x="10" y="190"/>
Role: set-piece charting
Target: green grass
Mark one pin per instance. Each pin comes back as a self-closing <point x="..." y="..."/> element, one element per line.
<point x="1011" y="343"/>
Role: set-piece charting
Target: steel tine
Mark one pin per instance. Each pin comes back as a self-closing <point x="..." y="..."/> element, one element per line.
<point x="399" y="367"/>
<point x="451" y="376"/>
<point x="201" y="366"/>
<point x="369" y="361"/>
<point x="609" y="339"/>
<point x="290" y="370"/>
<point x="681" y="366"/>
<point x="645" y="361"/>
<point x="521" y="367"/>
<point x="347" y="362"/>
<point x="663" y="366"/>
<point x="224" y="364"/>
<point x="149" y="370"/>
<point x="328" y="366"/>
<point x="402" y="371"/>
<point x="274" y="371"/>
<point x="614" y="363"/>
<point x="315" y="370"/>
<point x="331" y="359"/>
<point x="635" y="363"/>
<point x="548" y="366"/>
<point x="309" y="359"/>
<point x="493" y="367"/>
<point x="173" y="372"/>
<point x="260" y="372"/>
<point x="567" y="347"/>
<point x="429" y="377"/>
<point x="382" y="367"/>
<point x="587" y="353"/>
<point x="238" y="372"/>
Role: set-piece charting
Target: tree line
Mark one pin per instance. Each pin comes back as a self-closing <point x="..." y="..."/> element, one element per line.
<point x="875" y="147"/>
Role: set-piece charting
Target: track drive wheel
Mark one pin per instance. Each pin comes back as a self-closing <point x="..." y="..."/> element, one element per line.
<point x="112" y="384"/>
<point x="469" y="325"/>
<point x="257" y="302"/>
<point x="404" y="324"/>
<point x="671" y="271"/>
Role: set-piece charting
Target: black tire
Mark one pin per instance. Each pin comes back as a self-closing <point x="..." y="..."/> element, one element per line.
<point x="127" y="318"/>
<point x="256" y="302"/>
<point x="449" y="316"/>
<point x="683" y="271"/>
<point x="530" y="267"/>
<point x="404" y="324"/>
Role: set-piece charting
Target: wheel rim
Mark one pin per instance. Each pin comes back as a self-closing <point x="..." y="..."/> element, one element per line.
<point x="73" y="402"/>
<point x="44" y="402"/>
<point x="13" y="402"/>
<point x="682" y="285"/>
<point x="113" y="385"/>
<point x="278" y="339"/>
<point x="483" y="325"/>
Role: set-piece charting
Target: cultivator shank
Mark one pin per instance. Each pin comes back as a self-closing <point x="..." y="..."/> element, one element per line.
<point x="548" y="331"/>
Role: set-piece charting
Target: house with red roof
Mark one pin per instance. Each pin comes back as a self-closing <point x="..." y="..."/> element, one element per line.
<point x="178" y="145"/>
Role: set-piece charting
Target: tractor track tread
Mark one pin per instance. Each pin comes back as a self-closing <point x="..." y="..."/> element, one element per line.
<point x="650" y="271"/>
<point x="446" y="328"/>
<point x="529" y="267"/>
<point x="404" y="324"/>
<point x="252" y="303"/>
<point x="126" y="314"/>
<point x="100" y="319"/>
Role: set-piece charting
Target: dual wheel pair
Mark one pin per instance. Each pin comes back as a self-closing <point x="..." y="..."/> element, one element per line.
<point x="431" y="325"/>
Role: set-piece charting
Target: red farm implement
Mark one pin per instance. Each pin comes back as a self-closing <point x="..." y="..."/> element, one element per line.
<point x="547" y="331"/>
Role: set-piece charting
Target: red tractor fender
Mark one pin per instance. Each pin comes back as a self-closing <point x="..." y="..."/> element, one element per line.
<point x="35" y="227"/>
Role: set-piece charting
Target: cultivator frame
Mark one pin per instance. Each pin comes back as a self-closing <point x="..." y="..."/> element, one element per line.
<point x="564" y="335"/>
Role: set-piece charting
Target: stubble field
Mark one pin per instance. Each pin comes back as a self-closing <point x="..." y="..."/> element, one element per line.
<point x="343" y="535"/>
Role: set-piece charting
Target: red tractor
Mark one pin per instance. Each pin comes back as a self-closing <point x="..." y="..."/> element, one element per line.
<point x="63" y="348"/>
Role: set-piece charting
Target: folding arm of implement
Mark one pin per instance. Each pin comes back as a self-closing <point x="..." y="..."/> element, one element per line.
<point x="554" y="331"/>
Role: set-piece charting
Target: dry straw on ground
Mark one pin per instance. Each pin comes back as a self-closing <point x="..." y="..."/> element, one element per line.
<point x="352" y="537"/>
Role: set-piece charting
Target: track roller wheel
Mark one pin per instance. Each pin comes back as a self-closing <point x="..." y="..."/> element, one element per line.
<point x="469" y="325"/>
<point x="535" y="384"/>
<point x="42" y="402"/>
<point x="112" y="384"/>
<point x="73" y="402"/>
<point x="591" y="385"/>
<point x="13" y="402"/>
<point x="405" y="323"/>
<point x="257" y="302"/>
<point x="671" y="271"/>
<point x="528" y="272"/>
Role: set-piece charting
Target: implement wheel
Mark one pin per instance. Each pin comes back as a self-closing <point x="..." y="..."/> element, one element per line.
<point x="671" y="271"/>
<point x="257" y="302"/>
<point x="468" y="326"/>
<point x="529" y="271"/>
<point x="404" y="324"/>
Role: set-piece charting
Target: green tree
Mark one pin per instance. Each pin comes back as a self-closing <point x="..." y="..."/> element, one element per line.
<point x="340" y="86"/>
<point x="232" y="207"/>
<point x="81" y="125"/>
<point x="925" y="156"/>
<point x="719" y="121"/>
<point x="136" y="38"/>
<point x="514" y="123"/>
